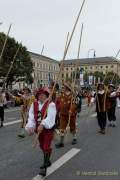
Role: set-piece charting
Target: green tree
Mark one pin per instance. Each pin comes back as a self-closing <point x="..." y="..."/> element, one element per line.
<point x="22" y="67"/>
<point x="112" y="77"/>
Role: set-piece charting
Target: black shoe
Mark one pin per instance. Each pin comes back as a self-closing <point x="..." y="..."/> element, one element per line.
<point x="43" y="172"/>
<point x="74" y="141"/>
<point x="1" y="125"/>
<point x="109" y="125"/>
<point x="59" y="145"/>
<point x="113" y="125"/>
<point x="100" y="131"/>
<point x="48" y="165"/>
<point x="21" y="135"/>
<point x="103" y="131"/>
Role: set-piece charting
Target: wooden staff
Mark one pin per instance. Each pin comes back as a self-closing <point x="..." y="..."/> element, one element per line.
<point x="11" y="66"/>
<point x="112" y="64"/>
<point x="64" y="53"/>
<point x="42" y="49"/>
<point x="61" y="66"/>
<point x="5" y="42"/>
<point x="73" y="88"/>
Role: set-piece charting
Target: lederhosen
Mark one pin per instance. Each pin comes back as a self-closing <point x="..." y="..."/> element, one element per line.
<point x="46" y="137"/>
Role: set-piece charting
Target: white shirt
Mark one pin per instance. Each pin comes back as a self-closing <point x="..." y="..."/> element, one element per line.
<point x="48" y="122"/>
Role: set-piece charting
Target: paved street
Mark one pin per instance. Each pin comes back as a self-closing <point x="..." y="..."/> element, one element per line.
<point x="95" y="157"/>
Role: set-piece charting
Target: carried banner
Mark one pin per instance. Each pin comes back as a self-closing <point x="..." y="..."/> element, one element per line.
<point x="90" y="80"/>
<point x="81" y="79"/>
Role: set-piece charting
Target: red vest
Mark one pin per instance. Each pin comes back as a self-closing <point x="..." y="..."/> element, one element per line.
<point x="43" y="111"/>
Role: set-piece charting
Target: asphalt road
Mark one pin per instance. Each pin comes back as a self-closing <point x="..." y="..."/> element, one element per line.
<point x="98" y="159"/>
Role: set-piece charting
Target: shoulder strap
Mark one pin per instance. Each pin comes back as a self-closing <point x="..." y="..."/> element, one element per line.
<point x="35" y="110"/>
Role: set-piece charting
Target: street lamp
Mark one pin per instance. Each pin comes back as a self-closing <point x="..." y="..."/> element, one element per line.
<point x="94" y="55"/>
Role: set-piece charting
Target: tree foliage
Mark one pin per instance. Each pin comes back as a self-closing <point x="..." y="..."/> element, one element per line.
<point x="22" y="67"/>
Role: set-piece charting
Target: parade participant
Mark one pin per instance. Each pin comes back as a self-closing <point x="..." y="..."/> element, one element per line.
<point x="101" y="95"/>
<point x="25" y="99"/>
<point x="111" y="105"/>
<point x="118" y="97"/>
<point x="41" y="119"/>
<point x="67" y="114"/>
<point x="88" y="98"/>
<point x="2" y="101"/>
<point x="79" y="101"/>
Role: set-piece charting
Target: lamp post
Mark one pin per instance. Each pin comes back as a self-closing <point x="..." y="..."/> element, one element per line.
<point x="94" y="55"/>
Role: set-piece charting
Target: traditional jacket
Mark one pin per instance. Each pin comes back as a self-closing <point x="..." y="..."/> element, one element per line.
<point x="101" y="101"/>
<point x="34" y="115"/>
<point x="65" y="103"/>
<point x="111" y="100"/>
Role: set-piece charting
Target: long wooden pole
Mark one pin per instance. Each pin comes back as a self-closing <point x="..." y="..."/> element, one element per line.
<point x="63" y="55"/>
<point x="61" y="66"/>
<point x="75" y="77"/>
<point x="5" y="42"/>
<point x="11" y="66"/>
<point x="42" y="50"/>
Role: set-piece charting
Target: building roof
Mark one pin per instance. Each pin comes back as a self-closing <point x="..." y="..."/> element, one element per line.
<point x="41" y="57"/>
<point x="92" y="60"/>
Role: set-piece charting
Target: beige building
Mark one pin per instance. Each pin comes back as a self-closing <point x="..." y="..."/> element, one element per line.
<point x="91" y="65"/>
<point x="45" y="69"/>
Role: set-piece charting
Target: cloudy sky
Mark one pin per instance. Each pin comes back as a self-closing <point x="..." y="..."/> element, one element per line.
<point x="38" y="22"/>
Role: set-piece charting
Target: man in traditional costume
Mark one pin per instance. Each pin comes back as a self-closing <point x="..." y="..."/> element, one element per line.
<point x="101" y="96"/>
<point x="41" y="119"/>
<point x="111" y="105"/>
<point x="26" y="99"/>
<point x="67" y="114"/>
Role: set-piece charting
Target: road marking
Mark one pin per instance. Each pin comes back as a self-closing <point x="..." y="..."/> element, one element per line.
<point x="11" y="118"/>
<point x="84" y="105"/>
<point x="12" y="110"/>
<point x="11" y="123"/>
<point x="60" y="162"/>
<point x="94" y="115"/>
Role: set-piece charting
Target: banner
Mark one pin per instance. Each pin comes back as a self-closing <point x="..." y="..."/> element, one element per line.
<point x="81" y="79"/>
<point x="90" y="80"/>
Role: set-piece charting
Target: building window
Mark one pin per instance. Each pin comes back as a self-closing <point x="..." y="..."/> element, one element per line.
<point x="67" y="69"/>
<point x="101" y="67"/>
<point x="90" y="67"/>
<point x="112" y="66"/>
<point x="106" y="67"/>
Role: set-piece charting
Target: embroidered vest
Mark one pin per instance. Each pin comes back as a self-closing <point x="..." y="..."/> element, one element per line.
<point x="39" y="115"/>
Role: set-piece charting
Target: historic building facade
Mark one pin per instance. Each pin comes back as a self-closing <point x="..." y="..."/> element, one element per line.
<point x="91" y="65"/>
<point x="45" y="69"/>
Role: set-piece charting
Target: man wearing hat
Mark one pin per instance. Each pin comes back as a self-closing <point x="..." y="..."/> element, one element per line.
<point x="41" y="120"/>
<point x="101" y="96"/>
<point x="67" y="114"/>
<point x="111" y="105"/>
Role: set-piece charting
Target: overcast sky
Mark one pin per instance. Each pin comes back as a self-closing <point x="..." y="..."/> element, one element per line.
<point x="38" y="22"/>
